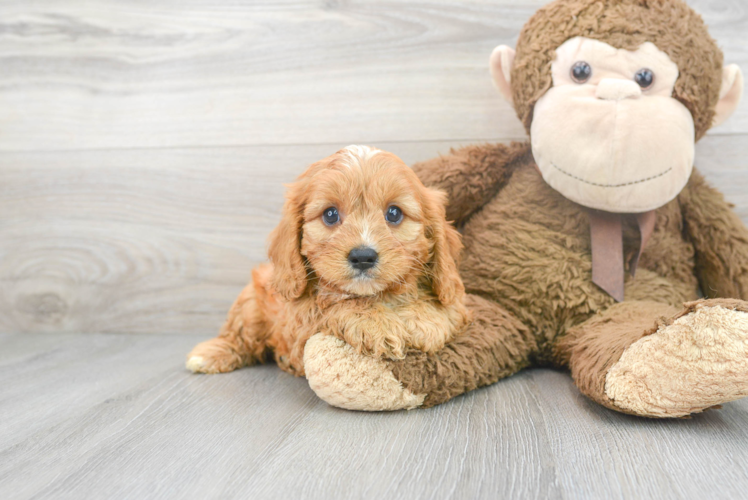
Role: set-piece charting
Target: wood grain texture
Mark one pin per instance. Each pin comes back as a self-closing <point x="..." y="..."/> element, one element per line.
<point x="122" y="211"/>
<point x="145" y="241"/>
<point x="92" y="74"/>
<point x="140" y="240"/>
<point x="116" y="416"/>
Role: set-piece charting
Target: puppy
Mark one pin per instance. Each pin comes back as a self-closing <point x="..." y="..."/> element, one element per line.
<point x="363" y="252"/>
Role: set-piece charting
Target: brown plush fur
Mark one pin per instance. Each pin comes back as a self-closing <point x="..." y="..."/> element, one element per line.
<point x="625" y="24"/>
<point x="412" y="297"/>
<point x="527" y="261"/>
<point x="720" y="256"/>
<point x="591" y="349"/>
<point x="470" y="360"/>
<point x="528" y="249"/>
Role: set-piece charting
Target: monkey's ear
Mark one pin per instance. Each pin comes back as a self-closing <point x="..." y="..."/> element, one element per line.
<point x="729" y="94"/>
<point x="501" y="61"/>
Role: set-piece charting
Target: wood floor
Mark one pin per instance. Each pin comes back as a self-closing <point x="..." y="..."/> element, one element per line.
<point x="116" y="416"/>
<point x="143" y="148"/>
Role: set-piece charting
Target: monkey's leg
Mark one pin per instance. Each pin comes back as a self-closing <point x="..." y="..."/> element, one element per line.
<point x="243" y="338"/>
<point x="651" y="360"/>
<point x="494" y="345"/>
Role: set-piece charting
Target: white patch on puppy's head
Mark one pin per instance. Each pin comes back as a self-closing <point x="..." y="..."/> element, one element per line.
<point x="357" y="154"/>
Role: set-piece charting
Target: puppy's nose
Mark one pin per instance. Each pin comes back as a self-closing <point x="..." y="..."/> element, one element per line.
<point x="363" y="258"/>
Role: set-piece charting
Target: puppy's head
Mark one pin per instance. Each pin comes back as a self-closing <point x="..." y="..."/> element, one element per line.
<point x="362" y="223"/>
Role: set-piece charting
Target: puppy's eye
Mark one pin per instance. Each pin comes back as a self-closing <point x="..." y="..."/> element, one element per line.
<point x="330" y="216"/>
<point x="644" y="77"/>
<point x="394" y="215"/>
<point x="581" y="72"/>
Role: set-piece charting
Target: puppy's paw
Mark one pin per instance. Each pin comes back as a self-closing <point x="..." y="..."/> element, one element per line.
<point x="344" y="378"/>
<point x="213" y="356"/>
<point x="381" y="339"/>
<point x="195" y="364"/>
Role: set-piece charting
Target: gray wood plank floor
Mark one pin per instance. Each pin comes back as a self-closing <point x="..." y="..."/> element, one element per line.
<point x="116" y="416"/>
<point x="143" y="148"/>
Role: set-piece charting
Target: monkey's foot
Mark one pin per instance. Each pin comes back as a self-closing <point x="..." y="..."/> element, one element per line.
<point x="343" y="378"/>
<point x="213" y="356"/>
<point x="694" y="362"/>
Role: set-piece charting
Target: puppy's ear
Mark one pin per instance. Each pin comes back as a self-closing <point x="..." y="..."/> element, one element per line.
<point x="289" y="272"/>
<point x="445" y="279"/>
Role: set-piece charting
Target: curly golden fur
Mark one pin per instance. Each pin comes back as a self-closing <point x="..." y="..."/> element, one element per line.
<point x="412" y="297"/>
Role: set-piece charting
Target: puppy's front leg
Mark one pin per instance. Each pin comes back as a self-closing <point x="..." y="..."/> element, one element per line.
<point x="377" y="332"/>
<point x="243" y="338"/>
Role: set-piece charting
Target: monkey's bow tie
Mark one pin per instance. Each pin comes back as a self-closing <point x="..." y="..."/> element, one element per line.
<point x="606" y="233"/>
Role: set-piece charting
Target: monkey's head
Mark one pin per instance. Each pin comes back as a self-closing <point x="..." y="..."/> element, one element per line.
<point x="614" y="95"/>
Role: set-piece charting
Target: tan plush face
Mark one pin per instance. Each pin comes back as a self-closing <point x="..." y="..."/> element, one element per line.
<point x="608" y="134"/>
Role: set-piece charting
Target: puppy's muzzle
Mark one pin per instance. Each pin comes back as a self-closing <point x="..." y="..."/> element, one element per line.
<point x="363" y="258"/>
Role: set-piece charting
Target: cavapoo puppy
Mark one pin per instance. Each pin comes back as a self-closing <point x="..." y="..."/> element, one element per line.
<point x="363" y="252"/>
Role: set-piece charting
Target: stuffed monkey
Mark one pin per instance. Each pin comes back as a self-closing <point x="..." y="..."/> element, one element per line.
<point x="588" y="247"/>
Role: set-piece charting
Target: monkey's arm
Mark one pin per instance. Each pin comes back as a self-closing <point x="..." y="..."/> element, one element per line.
<point x="493" y="346"/>
<point x="472" y="175"/>
<point x="719" y="237"/>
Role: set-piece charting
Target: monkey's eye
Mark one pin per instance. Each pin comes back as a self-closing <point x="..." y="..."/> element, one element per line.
<point x="581" y="72"/>
<point x="644" y="77"/>
<point x="330" y="216"/>
<point x="394" y="215"/>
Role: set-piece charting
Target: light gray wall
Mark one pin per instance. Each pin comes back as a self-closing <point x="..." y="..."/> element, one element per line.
<point x="144" y="144"/>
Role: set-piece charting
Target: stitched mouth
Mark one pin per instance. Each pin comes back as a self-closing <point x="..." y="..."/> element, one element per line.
<point x="623" y="184"/>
